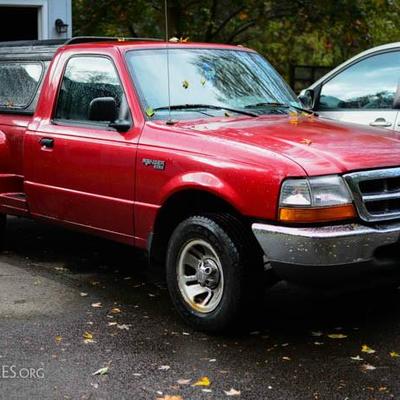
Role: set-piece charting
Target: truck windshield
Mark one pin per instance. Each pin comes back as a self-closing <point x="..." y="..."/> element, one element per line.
<point x="210" y="82"/>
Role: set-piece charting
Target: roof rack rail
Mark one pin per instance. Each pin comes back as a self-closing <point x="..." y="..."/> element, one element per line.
<point x="91" y="39"/>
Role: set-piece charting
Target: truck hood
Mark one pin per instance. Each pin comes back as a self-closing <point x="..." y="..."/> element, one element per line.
<point x="320" y="146"/>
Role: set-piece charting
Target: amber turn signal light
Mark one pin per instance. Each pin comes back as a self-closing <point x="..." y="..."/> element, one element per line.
<point x="322" y="214"/>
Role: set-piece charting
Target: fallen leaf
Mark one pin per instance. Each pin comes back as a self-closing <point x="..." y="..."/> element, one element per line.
<point x="149" y="112"/>
<point x="96" y="305"/>
<point x="286" y="358"/>
<point x="368" y="367"/>
<point x="115" y="310"/>
<point x="337" y="336"/>
<point x="95" y="385"/>
<point x="232" y="392"/>
<point x="112" y="323"/>
<point x="87" y="335"/>
<point x="183" y="381"/>
<point x="366" y="349"/>
<point x="306" y="141"/>
<point x="394" y="354"/>
<point x="167" y="397"/>
<point x="203" y="381"/>
<point x="123" y="326"/>
<point x="164" y="367"/>
<point x="316" y="333"/>
<point x="101" y="371"/>
<point x="83" y="294"/>
<point x="357" y="358"/>
<point x="310" y="116"/>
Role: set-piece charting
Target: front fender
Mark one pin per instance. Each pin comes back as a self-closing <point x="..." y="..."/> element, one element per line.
<point x="204" y="181"/>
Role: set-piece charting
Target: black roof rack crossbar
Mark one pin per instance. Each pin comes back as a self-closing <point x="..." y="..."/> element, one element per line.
<point x="91" y="39"/>
<point x="33" y="43"/>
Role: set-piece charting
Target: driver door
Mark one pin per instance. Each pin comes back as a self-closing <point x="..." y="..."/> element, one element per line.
<point x="79" y="171"/>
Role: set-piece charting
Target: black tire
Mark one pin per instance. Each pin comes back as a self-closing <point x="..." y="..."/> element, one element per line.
<point x="241" y="264"/>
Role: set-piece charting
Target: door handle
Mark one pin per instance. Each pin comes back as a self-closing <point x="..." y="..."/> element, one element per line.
<point x="47" y="143"/>
<point x="381" y="122"/>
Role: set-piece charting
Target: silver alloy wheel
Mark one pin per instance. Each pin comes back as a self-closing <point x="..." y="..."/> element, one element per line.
<point x="200" y="276"/>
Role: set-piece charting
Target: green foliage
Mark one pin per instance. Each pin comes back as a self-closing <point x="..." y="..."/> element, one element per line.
<point x="311" y="32"/>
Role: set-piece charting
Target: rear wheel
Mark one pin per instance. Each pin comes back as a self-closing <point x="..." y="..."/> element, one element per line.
<point x="210" y="265"/>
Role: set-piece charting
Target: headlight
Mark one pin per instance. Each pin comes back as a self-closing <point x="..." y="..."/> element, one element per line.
<point x="318" y="199"/>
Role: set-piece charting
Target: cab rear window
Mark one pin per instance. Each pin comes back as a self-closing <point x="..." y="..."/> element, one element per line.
<point x="19" y="83"/>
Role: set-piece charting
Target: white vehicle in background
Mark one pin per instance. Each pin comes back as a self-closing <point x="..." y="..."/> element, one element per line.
<point x="363" y="90"/>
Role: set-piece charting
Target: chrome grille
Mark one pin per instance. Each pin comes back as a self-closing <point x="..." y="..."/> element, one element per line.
<point x="376" y="193"/>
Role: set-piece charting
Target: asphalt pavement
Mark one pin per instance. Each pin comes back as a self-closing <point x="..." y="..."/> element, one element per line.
<point x="72" y="305"/>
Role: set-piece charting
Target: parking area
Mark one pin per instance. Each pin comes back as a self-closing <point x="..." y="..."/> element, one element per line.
<point x="71" y="305"/>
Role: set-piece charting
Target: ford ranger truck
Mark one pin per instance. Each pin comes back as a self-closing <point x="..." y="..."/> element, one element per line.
<point x="201" y="155"/>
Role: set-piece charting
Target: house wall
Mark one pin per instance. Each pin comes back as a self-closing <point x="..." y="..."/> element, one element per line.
<point x="49" y="12"/>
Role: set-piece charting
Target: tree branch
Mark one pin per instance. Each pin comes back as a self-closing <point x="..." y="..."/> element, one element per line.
<point x="241" y="29"/>
<point x="226" y="21"/>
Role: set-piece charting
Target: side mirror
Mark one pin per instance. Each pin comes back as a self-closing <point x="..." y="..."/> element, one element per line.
<point x="307" y="98"/>
<point x="103" y="109"/>
<point x="120" y="125"/>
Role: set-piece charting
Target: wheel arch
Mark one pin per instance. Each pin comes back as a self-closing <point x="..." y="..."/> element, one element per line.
<point x="178" y="206"/>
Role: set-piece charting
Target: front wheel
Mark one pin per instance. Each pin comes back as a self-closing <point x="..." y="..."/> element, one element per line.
<point x="209" y="269"/>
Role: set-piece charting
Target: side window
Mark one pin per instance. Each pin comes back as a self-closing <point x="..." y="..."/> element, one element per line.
<point x="369" y="84"/>
<point x="87" y="78"/>
<point x="19" y="83"/>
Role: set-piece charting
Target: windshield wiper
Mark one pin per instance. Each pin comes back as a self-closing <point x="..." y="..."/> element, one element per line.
<point x="280" y="105"/>
<point x="207" y="106"/>
<point x="266" y="104"/>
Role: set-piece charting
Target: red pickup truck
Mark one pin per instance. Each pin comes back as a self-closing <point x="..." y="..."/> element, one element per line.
<point x="201" y="155"/>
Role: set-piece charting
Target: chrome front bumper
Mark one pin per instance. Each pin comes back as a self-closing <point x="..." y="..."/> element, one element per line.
<point x="324" y="246"/>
